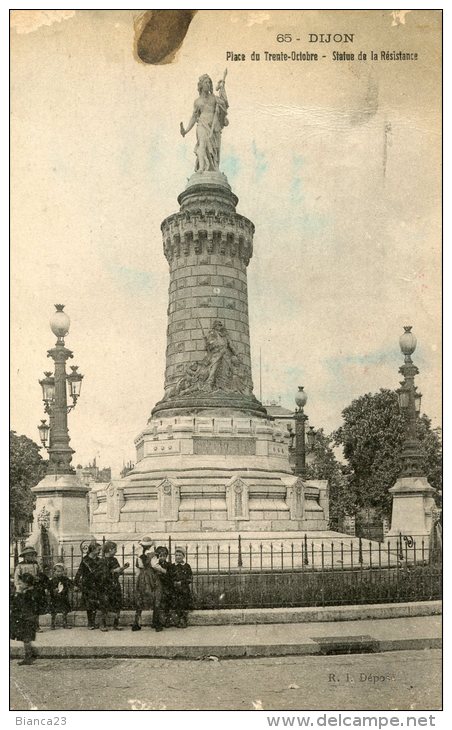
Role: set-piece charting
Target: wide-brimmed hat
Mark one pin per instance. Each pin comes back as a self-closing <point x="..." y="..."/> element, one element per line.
<point x="93" y="545"/>
<point x="28" y="550"/>
<point x="147" y="542"/>
<point x="109" y="545"/>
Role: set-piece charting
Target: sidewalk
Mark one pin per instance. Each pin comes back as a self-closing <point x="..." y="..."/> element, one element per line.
<point x="258" y="640"/>
<point x="290" y="615"/>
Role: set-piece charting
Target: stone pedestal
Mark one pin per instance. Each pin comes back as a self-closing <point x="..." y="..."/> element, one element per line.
<point x="62" y="509"/>
<point x="210" y="460"/>
<point x="411" y="510"/>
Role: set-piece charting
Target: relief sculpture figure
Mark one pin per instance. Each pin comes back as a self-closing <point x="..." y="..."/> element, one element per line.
<point x="210" y="116"/>
<point x="220" y="369"/>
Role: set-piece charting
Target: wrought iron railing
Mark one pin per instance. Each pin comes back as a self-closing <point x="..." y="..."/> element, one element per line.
<point x="304" y="572"/>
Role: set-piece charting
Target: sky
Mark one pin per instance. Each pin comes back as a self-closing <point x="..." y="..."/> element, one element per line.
<point x="337" y="163"/>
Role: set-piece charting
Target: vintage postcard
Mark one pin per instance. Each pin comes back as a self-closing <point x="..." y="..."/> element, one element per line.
<point x="226" y="306"/>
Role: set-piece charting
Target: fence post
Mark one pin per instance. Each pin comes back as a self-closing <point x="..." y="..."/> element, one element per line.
<point x="239" y="557"/>
<point x="305" y="557"/>
<point x="133" y="571"/>
<point x="122" y="574"/>
<point x="400" y="546"/>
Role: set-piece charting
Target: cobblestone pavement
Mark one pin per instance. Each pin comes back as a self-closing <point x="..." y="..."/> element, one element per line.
<point x="404" y="680"/>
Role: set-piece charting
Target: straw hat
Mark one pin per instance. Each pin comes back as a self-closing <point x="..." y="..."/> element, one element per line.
<point x="147" y="542"/>
<point x="28" y="550"/>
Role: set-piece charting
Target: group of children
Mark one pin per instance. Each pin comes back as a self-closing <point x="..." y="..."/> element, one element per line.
<point x="161" y="586"/>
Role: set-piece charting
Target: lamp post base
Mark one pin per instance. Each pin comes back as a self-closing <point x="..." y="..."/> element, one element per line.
<point x="411" y="509"/>
<point x="61" y="509"/>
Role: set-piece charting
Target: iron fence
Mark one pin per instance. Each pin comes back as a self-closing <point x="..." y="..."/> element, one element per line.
<point x="244" y="574"/>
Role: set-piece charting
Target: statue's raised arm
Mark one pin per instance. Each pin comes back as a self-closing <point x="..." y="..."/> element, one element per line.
<point x="210" y="116"/>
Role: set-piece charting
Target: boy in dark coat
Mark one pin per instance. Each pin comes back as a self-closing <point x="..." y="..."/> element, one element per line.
<point x="111" y="594"/>
<point x="24" y="612"/>
<point x="181" y="577"/>
<point x="59" y="588"/>
<point x="89" y="580"/>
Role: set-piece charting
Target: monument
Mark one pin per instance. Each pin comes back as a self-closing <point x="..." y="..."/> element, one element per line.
<point x="210" y="463"/>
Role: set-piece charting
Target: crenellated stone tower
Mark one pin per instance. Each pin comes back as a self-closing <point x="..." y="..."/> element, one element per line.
<point x="211" y="462"/>
<point x="208" y="247"/>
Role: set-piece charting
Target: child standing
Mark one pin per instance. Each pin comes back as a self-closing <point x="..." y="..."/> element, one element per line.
<point x="111" y="599"/>
<point x="59" y="587"/>
<point x="24" y="612"/>
<point x="89" y="579"/>
<point x="181" y="577"/>
<point x="162" y="610"/>
<point x="146" y="581"/>
<point x="30" y="565"/>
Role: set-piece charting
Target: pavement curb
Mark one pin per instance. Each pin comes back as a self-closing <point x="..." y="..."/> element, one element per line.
<point x="305" y="614"/>
<point x="305" y="648"/>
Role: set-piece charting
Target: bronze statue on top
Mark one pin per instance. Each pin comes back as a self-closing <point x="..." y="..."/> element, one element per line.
<point x="210" y="116"/>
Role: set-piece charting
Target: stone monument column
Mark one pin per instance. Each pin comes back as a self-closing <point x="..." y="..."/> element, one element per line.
<point x="208" y="246"/>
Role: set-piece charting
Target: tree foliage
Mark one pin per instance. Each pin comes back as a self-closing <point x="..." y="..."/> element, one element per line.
<point x="371" y="437"/>
<point x="26" y="469"/>
<point x="323" y="464"/>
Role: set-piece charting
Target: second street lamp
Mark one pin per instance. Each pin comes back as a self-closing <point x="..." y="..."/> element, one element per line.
<point x="54" y="392"/>
<point x="410" y="404"/>
<point x="300" y="437"/>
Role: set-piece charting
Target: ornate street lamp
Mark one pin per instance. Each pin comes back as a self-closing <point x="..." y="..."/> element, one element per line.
<point x="300" y="437"/>
<point x="48" y="389"/>
<point x="311" y="437"/>
<point x="74" y="380"/>
<point x="43" y="430"/>
<point x="54" y="394"/>
<point x="410" y="405"/>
